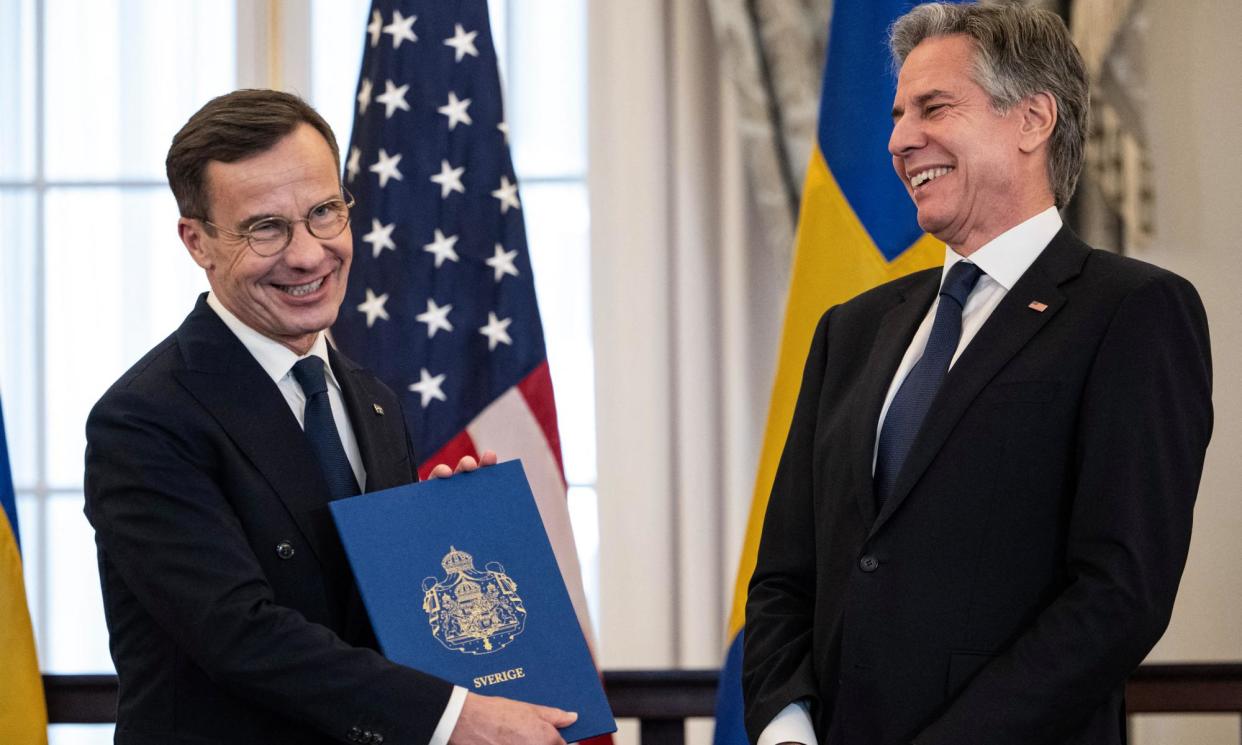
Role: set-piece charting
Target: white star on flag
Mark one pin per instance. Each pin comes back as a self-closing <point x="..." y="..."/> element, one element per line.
<point x="449" y="179"/>
<point x="502" y="262"/>
<point x="386" y="167"/>
<point x="380" y="237"/>
<point x="364" y="96"/>
<point x="507" y="194"/>
<point x="373" y="28"/>
<point x="442" y="247"/>
<point x="374" y="307"/>
<point x="436" y="318"/>
<point x="495" y="331"/>
<point x="462" y="42"/>
<point x="455" y="110"/>
<point x="393" y="98"/>
<point x="428" y="386"/>
<point x="401" y="29"/>
<point x="354" y="165"/>
<point x="504" y="130"/>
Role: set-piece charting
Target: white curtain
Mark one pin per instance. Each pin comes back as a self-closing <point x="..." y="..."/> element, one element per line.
<point x="686" y="313"/>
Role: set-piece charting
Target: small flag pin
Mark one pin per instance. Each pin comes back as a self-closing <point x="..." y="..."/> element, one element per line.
<point x="1037" y="306"/>
<point x="378" y="409"/>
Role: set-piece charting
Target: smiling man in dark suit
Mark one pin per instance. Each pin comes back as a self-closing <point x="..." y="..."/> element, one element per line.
<point x="232" y="612"/>
<point x="983" y="509"/>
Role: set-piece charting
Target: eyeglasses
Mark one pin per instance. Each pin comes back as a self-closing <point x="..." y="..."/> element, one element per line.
<point x="271" y="235"/>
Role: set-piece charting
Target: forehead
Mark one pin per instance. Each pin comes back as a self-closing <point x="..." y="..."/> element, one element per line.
<point x="297" y="171"/>
<point x="938" y="62"/>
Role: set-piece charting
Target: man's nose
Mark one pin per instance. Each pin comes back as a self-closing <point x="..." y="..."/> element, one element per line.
<point x="304" y="249"/>
<point x="906" y="136"/>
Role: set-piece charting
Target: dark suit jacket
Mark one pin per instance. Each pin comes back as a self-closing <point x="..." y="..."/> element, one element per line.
<point x="1030" y="556"/>
<point x="196" y="471"/>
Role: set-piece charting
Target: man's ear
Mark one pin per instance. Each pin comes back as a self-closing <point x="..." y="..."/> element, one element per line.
<point x="191" y="233"/>
<point x="1039" y="118"/>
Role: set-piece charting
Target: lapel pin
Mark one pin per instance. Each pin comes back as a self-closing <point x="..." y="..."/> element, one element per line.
<point x="1037" y="306"/>
<point x="378" y="409"/>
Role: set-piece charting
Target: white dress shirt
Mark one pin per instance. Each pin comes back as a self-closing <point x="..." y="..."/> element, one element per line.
<point x="1003" y="260"/>
<point x="277" y="361"/>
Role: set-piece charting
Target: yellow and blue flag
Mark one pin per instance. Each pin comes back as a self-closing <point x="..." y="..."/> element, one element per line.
<point x="23" y="714"/>
<point x="856" y="229"/>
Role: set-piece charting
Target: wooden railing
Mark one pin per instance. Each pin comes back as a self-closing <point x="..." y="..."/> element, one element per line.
<point x="662" y="700"/>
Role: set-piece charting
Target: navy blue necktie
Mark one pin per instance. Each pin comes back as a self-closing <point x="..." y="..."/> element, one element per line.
<point x="914" y="397"/>
<point x="321" y="430"/>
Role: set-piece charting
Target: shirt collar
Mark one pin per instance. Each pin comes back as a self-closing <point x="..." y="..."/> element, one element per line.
<point x="1008" y="255"/>
<point x="275" y="358"/>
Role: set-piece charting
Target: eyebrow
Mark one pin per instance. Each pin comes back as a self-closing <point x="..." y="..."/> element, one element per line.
<point x="253" y="219"/>
<point x="921" y="100"/>
<point x="249" y="222"/>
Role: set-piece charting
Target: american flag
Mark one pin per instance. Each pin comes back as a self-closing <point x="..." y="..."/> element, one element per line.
<point x="441" y="301"/>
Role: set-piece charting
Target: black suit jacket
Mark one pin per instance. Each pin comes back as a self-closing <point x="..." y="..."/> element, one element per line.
<point x="1030" y="556"/>
<point x="196" y="471"/>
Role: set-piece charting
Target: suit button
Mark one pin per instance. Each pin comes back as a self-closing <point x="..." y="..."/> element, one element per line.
<point x="868" y="563"/>
<point x="284" y="550"/>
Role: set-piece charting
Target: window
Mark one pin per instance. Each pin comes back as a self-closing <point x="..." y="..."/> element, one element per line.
<point x="92" y="272"/>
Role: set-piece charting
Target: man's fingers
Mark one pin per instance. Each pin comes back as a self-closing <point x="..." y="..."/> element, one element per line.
<point x="503" y="721"/>
<point x="556" y="717"/>
<point x="465" y="465"/>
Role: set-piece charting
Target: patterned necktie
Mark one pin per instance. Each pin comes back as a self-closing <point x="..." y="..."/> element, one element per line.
<point x="914" y="397"/>
<point x="321" y="430"/>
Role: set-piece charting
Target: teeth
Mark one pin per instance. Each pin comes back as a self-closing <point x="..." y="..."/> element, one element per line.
<point x="925" y="176"/>
<point x="300" y="290"/>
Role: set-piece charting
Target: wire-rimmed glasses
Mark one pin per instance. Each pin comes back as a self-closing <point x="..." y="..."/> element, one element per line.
<point x="271" y="235"/>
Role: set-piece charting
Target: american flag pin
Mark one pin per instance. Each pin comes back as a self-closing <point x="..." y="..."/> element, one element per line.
<point x="378" y="409"/>
<point x="1037" y="306"/>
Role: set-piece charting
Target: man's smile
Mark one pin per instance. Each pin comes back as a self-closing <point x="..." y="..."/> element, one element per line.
<point x="301" y="290"/>
<point x="928" y="174"/>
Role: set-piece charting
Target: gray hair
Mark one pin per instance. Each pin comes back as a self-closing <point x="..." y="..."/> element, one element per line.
<point x="1020" y="51"/>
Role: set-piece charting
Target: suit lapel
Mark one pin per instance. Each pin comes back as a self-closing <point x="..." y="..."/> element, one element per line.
<point x="234" y="389"/>
<point x="1010" y="327"/>
<point x="382" y="452"/>
<point x="892" y="337"/>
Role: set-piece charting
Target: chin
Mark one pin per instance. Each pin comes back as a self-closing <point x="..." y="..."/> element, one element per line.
<point x="320" y="322"/>
<point x="933" y="221"/>
<point x="930" y="224"/>
<point x="312" y="322"/>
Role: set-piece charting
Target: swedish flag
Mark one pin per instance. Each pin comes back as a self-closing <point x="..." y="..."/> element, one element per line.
<point x="23" y="715"/>
<point x="856" y="229"/>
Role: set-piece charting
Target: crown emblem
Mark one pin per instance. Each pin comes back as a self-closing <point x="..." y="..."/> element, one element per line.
<point x="457" y="561"/>
<point x="472" y="611"/>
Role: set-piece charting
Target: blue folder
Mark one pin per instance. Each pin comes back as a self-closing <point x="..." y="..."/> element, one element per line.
<point x="460" y="581"/>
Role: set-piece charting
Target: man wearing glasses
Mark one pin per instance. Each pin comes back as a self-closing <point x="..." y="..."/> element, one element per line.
<point x="233" y="615"/>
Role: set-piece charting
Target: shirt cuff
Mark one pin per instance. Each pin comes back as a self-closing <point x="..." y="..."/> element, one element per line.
<point x="792" y="724"/>
<point x="448" y="720"/>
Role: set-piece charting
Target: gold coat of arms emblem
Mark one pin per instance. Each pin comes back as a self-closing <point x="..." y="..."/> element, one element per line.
<point x="473" y="611"/>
